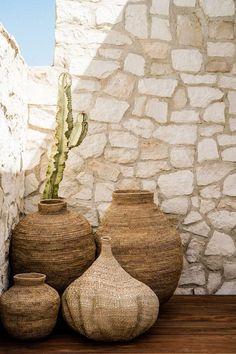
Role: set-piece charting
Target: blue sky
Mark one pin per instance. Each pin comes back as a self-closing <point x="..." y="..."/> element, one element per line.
<point x="31" y="22"/>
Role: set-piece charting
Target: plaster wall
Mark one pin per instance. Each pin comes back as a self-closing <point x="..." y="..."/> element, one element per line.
<point x="13" y="123"/>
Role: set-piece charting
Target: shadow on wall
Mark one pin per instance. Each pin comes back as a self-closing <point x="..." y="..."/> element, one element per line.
<point x="13" y="124"/>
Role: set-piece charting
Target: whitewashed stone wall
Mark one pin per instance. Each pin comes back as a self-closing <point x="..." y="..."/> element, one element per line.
<point x="13" y="120"/>
<point x="157" y="79"/>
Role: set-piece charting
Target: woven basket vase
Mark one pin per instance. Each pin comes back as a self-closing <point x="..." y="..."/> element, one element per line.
<point x="144" y="242"/>
<point x="29" y="309"/>
<point x="53" y="241"/>
<point x="107" y="304"/>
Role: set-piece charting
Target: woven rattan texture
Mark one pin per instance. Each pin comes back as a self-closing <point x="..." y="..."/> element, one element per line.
<point x="143" y="241"/>
<point x="56" y="242"/>
<point x="107" y="304"/>
<point x="29" y="310"/>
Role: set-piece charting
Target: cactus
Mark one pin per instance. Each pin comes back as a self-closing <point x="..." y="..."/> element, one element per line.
<point x="68" y="134"/>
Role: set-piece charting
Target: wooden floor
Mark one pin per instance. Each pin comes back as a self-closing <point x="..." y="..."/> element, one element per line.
<point x="187" y="324"/>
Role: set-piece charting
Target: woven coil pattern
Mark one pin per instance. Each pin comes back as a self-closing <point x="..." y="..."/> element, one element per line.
<point x="29" y="309"/>
<point x="144" y="242"/>
<point x="53" y="241"/>
<point x="107" y="304"/>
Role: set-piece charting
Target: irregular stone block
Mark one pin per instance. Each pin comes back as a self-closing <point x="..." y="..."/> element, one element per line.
<point x="175" y="184"/>
<point x="186" y="60"/>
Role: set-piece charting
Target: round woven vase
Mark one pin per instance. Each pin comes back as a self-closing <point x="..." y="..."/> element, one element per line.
<point x="107" y="304"/>
<point x="29" y="309"/>
<point x="144" y="242"/>
<point x="53" y="241"/>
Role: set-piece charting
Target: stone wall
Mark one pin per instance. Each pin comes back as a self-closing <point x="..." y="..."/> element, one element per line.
<point x="13" y="119"/>
<point x="157" y="79"/>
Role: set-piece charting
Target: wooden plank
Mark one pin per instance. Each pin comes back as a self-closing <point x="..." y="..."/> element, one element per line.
<point x="186" y="324"/>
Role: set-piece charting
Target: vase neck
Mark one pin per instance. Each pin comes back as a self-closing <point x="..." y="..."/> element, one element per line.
<point x="29" y="279"/>
<point x="132" y="197"/>
<point x="52" y="206"/>
<point x="106" y="250"/>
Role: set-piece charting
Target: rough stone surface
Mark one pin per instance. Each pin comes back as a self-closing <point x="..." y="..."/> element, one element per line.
<point x="217" y="8"/>
<point x="198" y="79"/>
<point x="211" y="192"/>
<point x="230" y="270"/>
<point x="232" y="101"/>
<point x="192" y="217"/>
<point x="214" y="281"/>
<point x="223" y="219"/>
<point x="185" y="116"/>
<point x="177" y="134"/>
<point x="215" y="113"/>
<point x="229" y="187"/>
<point x="228" y="287"/>
<point x="109" y="110"/>
<point x="193" y="275"/>
<point x="210" y="130"/>
<point x="134" y="64"/>
<point x="157" y="110"/>
<point x="207" y="150"/>
<point x="13" y="120"/>
<point x="157" y="87"/>
<point x="120" y="85"/>
<point x="93" y="145"/>
<point x="225" y="140"/>
<point x="150" y="168"/>
<point x="156" y="50"/>
<point x="207" y="174"/>
<point x="153" y="150"/>
<point x="201" y="96"/>
<point x="136" y="20"/>
<point x="178" y="205"/>
<point x="185" y="3"/>
<point x="201" y="228"/>
<point x="103" y="192"/>
<point x="220" y="49"/>
<point x="177" y="183"/>
<point x="194" y="250"/>
<point x="229" y="154"/>
<point x="186" y="59"/>
<point x="181" y="157"/>
<point x="124" y="140"/>
<point x="143" y="127"/>
<point x="189" y="30"/>
<point x="160" y="7"/>
<point x="160" y="29"/>
<point x="220" y="244"/>
<point x="160" y="69"/>
<point x="31" y="184"/>
<point x="206" y="206"/>
<point x="215" y="66"/>
<point x="121" y="155"/>
<point x="179" y="98"/>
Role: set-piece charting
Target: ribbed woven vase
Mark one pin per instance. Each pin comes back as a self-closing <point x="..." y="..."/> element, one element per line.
<point x="53" y="241"/>
<point x="29" y="309"/>
<point x="107" y="304"/>
<point x="144" y="242"/>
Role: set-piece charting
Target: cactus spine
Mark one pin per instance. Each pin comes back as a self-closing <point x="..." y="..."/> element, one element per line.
<point x="68" y="134"/>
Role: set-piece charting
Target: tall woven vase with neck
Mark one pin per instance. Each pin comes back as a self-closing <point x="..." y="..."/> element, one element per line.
<point x="107" y="304"/>
<point x="144" y="242"/>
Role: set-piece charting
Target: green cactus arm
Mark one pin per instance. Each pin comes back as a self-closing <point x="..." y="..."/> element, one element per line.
<point x="64" y="120"/>
<point x="79" y="130"/>
<point x="68" y="134"/>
